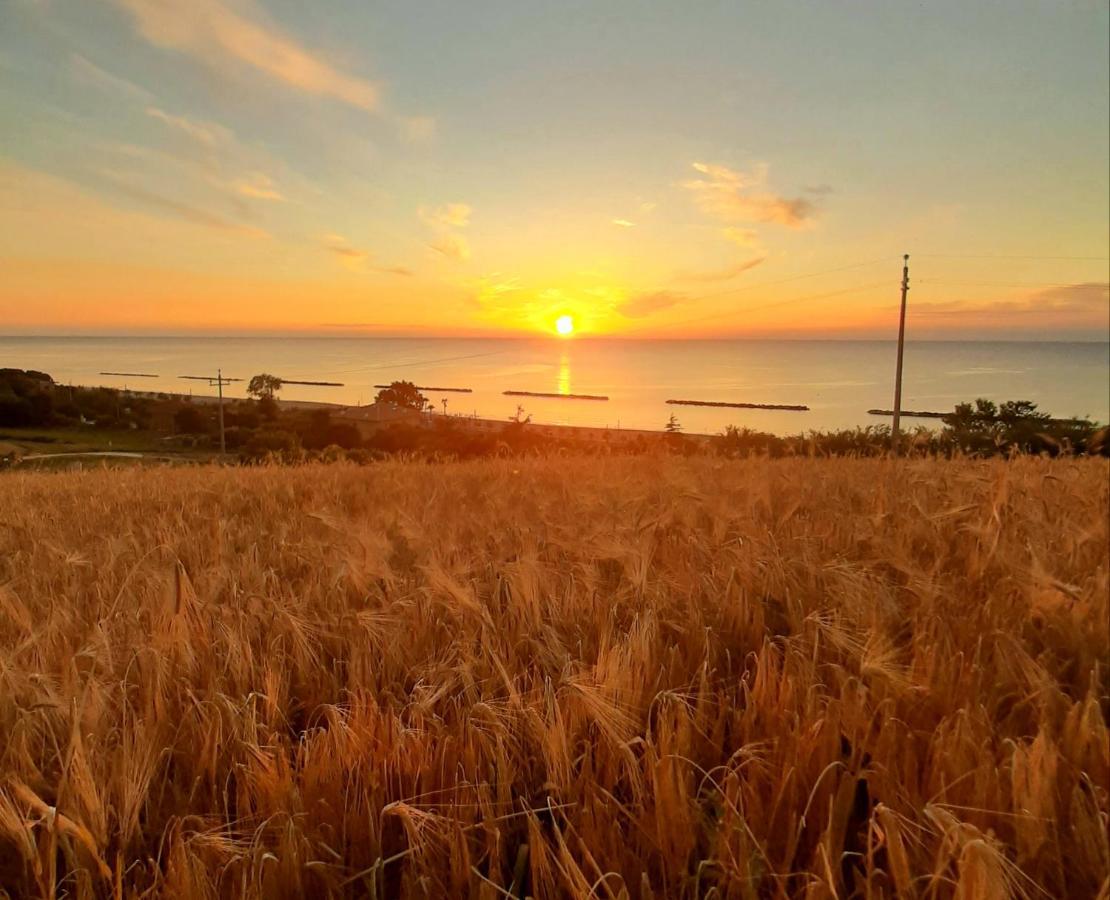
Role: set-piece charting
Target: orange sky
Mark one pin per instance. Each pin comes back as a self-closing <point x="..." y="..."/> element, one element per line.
<point x="228" y="166"/>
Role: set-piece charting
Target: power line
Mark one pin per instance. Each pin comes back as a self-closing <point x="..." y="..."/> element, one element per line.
<point x="763" y="306"/>
<point x="998" y="283"/>
<point x="762" y="284"/>
<point x="1007" y="256"/>
<point x="218" y="380"/>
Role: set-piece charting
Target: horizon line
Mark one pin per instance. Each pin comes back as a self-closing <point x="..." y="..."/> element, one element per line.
<point x="302" y="335"/>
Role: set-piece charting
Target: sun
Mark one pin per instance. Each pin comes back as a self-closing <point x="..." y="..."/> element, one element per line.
<point x="564" y="325"/>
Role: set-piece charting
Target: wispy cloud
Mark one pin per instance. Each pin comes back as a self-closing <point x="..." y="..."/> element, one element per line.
<point x="87" y="72"/>
<point x="257" y="186"/>
<point x="219" y="35"/>
<point x="351" y="257"/>
<point x="208" y="134"/>
<point x="742" y="237"/>
<point x="643" y="209"/>
<point x="450" y="215"/>
<point x="119" y="184"/>
<point x="453" y="246"/>
<point x="445" y="221"/>
<point x="1088" y="301"/>
<point x="417" y="129"/>
<point x="725" y="274"/>
<point x="214" y="153"/>
<point x="737" y="197"/>
<point x="641" y="305"/>
<point x="355" y="259"/>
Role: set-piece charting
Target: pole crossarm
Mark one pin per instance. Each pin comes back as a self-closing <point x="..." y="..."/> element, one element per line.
<point x="218" y="380"/>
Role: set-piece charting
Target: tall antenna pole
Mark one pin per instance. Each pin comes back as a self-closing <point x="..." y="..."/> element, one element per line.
<point x="894" y="431"/>
<point x="219" y="381"/>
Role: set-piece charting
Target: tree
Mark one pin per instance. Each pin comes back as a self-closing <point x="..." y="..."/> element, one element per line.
<point x="190" y="420"/>
<point x="673" y="426"/>
<point x="1016" y="424"/>
<point x="402" y="395"/>
<point x="263" y="387"/>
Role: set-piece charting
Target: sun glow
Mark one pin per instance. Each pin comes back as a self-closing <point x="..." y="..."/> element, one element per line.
<point x="564" y="325"/>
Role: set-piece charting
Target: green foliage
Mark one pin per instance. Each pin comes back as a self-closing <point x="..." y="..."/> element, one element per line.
<point x="264" y="386"/>
<point x="261" y="429"/>
<point x="272" y="444"/>
<point x="26" y="398"/>
<point x="402" y="395"/>
<point x="191" y="420"/>
<point x="1016" y="425"/>
<point x="318" y="431"/>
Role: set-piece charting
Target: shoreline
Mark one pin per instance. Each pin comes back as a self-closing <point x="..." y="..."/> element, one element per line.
<point x="338" y="410"/>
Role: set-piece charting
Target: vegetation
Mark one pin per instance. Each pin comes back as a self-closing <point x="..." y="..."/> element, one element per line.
<point x="403" y="395"/>
<point x="263" y="387"/>
<point x="557" y="678"/>
<point x="266" y="431"/>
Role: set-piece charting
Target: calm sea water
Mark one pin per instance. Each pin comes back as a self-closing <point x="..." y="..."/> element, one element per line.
<point x="838" y="380"/>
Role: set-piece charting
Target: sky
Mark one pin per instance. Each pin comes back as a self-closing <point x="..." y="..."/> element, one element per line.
<point x="649" y="169"/>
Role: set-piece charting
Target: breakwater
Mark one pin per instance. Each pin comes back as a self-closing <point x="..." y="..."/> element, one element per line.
<point x="720" y="403"/>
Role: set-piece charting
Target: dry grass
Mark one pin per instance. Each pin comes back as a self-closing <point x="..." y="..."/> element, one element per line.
<point x="563" y="678"/>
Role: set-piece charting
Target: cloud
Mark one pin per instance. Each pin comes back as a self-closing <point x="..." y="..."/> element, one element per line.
<point x="742" y="237"/>
<point x="417" y="129"/>
<point x="351" y="257"/>
<point x="453" y="246"/>
<point x="736" y="197"/>
<point x="725" y="274"/>
<point x="216" y="152"/>
<point x="643" y="208"/>
<point x="207" y="134"/>
<point x="187" y="212"/>
<point x="450" y="215"/>
<point x="257" y="186"/>
<point x="820" y="190"/>
<point x="89" y="73"/>
<point x="215" y="33"/>
<point x="1088" y="300"/>
<point x="1087" y="295"/>
<point x="357" y="260"/>
<point x="642" y="305"/>
<point x="443" y="220"/>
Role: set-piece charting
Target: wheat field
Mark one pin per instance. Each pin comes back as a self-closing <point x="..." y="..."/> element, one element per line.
<point x="646" y="678"/>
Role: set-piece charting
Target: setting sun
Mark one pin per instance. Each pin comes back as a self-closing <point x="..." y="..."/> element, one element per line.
<point x="564" y="325"/>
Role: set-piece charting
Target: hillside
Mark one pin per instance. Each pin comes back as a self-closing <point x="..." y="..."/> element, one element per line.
<point x="613" y="677"/>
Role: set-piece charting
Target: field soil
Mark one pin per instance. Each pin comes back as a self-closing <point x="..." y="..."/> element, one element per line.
<point x="639" y="677"/>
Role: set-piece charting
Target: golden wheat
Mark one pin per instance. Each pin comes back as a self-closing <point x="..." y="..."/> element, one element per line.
<point x="641" y="677"/>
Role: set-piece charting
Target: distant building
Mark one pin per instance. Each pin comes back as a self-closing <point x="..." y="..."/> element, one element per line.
<point x="368" y="419"/>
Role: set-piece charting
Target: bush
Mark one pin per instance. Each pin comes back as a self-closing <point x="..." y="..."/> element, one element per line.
<point x="273" y="444"/>
<point x="190" y="420"/>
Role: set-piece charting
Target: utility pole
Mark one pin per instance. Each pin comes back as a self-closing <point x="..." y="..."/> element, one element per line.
<point x="219" y="381"/>
<point x="894" y="431"/>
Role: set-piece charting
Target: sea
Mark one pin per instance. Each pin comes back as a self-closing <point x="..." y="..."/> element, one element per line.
<point x="838" y="380"/>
